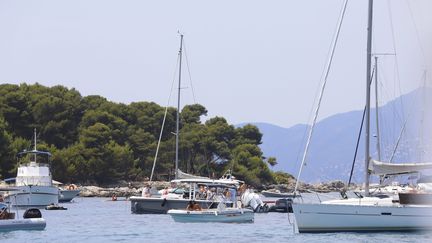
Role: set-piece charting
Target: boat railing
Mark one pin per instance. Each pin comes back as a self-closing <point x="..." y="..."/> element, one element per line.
<point x="33" y="181"/>
<point x="32" y="163"/>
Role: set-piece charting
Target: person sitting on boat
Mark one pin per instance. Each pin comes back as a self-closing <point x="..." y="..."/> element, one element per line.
<point x="146" y="191"/>
<point x="193" y="206"/>
<point x="202" y="193"/>
<point x="165" y="191"/>
<point x="227" y="193"/>
<point x="210" y="193"/>
<point x="3" y="211"/>
<point x="233" y="193"/>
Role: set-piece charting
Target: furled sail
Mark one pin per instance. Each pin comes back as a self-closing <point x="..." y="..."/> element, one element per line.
<point x="385" y="168"/>
<point x="182" y="175"/>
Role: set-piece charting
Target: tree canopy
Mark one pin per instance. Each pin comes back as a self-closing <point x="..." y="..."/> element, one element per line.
<point x="94" y="140"/>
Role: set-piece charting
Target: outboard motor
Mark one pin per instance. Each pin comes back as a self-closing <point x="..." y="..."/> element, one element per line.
<point x="251" y="199"/>
<point x="32" y="213"/>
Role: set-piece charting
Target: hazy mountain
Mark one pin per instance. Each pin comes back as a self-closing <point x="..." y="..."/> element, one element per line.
<point x="333" y="144"/>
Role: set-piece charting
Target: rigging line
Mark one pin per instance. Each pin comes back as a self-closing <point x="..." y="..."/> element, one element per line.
<point x="417" y="32"/>
<point x="404" y="126"/>
<point x="396" y="116"/>
<point x="328" y="66"/>
<point x="378" y="145"/>
<point x="164" y="119"/>
<point x="190" y="76"/>
<point x="359" y="137"/>
<point x="395" y="51"/>
<point x="356" y="149"/>
<point x="402" y="132"/>
<point x="421" y="130"/>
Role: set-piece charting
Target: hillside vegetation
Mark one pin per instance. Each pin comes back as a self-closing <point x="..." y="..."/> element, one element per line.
<point x="94" y="140"/>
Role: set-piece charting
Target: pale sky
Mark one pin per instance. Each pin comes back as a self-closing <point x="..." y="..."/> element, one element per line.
<point x="251" y="61"/>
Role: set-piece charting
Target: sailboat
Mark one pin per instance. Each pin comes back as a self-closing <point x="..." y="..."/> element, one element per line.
<point x="177" y="198"/>
<point x="366" y="213"/>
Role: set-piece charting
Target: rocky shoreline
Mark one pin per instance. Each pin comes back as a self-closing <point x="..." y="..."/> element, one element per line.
<point x="135" y="188"/>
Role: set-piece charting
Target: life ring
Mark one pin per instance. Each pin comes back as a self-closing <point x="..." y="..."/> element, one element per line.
<point x="72" y="187"/>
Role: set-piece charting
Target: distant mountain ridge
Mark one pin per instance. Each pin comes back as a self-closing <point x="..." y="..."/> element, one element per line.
<point x="333" y="143"/>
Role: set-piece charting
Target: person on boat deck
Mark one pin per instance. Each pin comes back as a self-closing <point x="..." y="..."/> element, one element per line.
<point x="210" y="193"/>
<point x="146" y="191"/>
<point x="165" y="191"/>
<point x="193" y="206"/>
<point x="202" y="194"/>
<point x="227" y="193"/>
<point x="233" y="193"/>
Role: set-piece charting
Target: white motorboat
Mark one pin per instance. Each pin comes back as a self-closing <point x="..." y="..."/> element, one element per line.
<point x="66" y="194"/>
<point x="164" y="202"/>
<point x="369" y="213"/>
<point x="32" y="219"/>
<point x="221" y="214"/>
<point x="22" y="224"/>
<point x="33" y="184"/>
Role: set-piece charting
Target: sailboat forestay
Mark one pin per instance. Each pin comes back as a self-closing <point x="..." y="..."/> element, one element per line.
<point x="367" y="213"/>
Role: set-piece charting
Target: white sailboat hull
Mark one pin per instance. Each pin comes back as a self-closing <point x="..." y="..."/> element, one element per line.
<point x="33" y="196"/>
<point x="321" y="218"/>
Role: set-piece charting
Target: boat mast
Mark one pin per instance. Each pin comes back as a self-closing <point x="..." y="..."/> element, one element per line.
<point x="35" y="146"/>
<point x="368" y="77"/>
<point x="178" y="107"/>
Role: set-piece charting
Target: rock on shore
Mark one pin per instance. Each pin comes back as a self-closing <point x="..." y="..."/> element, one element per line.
<point x="128" y="190"/>
<point x="304" y="187"/>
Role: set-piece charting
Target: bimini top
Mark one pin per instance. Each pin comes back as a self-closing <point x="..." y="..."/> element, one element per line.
<point x="208" y="181"/>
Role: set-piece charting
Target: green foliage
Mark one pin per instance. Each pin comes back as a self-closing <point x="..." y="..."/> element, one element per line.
<point x="94" y="140"/>
<point x="193" y="113"/>
<point x="249" y="166"/>
<point x="5" y="147"/>
<point x="272" y="161"/>
<point x="283" y="177"/>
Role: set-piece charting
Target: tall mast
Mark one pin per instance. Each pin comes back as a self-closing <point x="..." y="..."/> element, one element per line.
<point x="178" y="107"/>
<point x="368" y="77"/>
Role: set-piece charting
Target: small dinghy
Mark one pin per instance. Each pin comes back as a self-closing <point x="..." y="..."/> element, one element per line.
<point x="32" y="220"/>
<point x="221" y="214"/>
<point x="55" y="207"/>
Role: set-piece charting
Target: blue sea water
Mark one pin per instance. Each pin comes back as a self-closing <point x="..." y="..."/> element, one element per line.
<point x="101" y="220"/>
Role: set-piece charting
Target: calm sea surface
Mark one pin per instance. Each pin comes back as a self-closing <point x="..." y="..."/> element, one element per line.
<point x="100" y="220"/>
